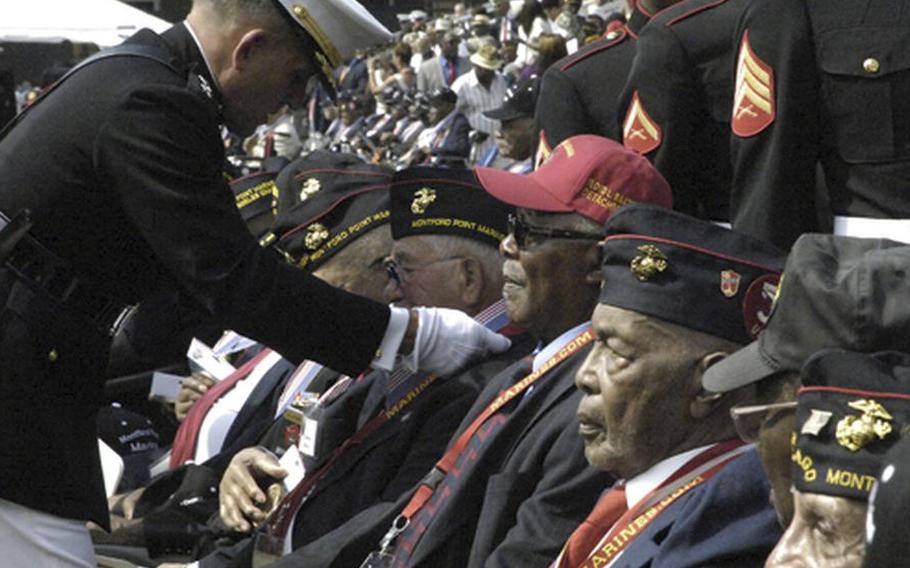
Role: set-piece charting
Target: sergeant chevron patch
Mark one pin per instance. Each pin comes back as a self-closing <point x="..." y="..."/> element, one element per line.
<point x="543" y="151"/>
<point x="640" y="132"/>
<point x="753" y="104"/>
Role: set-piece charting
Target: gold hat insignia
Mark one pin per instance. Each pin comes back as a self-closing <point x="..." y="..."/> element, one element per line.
<point x="854" y="432"/>
<point x="316" y="234"/>
<point x="309" y="188"/>
<point x="422" y="199"/>
<point x="648" y="266"/>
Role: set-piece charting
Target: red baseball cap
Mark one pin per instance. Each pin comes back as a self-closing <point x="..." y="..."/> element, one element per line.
<point x="585" y="174"/>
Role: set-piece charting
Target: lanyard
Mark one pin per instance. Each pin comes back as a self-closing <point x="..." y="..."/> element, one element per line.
<point x="270" y="542"/>
<point x="692" y="474"/>
<point x="443" y="466"/>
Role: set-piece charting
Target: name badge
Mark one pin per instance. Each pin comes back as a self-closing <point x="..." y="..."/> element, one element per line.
<point x="307" y="442"/>
<point x="202" y="358"/>
<point x="292" y="462"/>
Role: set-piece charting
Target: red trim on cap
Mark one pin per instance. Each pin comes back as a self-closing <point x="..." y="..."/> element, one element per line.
<point x="644" y="11"/>
<point x="693" y="247"/>
<point x="698" y="10"/>
<point x="251" y="176"/>
<point x="854" y="392"/>
<point x="305" y="173"/>
<point x="325" y="212"/>
<point x="436" y="180"/>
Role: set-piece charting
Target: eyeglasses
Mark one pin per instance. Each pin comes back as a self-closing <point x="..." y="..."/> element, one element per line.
<point x="400" y="274"/>
<point x="521" y="231"/>
<point x="749" y="420"/>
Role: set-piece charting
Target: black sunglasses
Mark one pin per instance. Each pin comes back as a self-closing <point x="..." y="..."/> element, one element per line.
<point x="521" y="231"/>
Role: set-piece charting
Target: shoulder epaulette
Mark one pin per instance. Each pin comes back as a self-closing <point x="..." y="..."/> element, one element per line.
<point x="621" y="35"/>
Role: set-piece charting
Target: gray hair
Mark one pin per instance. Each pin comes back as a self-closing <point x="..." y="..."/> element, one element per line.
<point x="363" y="249"/>
<point x="449" y="246"/>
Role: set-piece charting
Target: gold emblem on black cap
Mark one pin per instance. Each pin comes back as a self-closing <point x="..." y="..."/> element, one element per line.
<point x="422" y="199"/>
<point x="854" y="432"/>
<point x="648" y="266"/>
<point x="316" y="234"/>
<point x="309" y="188"/>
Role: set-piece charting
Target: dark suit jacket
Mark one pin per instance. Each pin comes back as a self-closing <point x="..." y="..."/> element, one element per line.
<point x="355" y="79"/>
<point x="430" y="76"/>
<point x="725" y="522"/>
<point x="388" y="463"/>
<point x="455" y="142"/>
<point x="121" y="167"/>
<point x="528" y="492"/>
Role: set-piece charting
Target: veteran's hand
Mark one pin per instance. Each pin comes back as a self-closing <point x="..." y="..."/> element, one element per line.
<point x="243" y="504"/>
<point x="124" y="504"/>
<point x="192" y="390"/>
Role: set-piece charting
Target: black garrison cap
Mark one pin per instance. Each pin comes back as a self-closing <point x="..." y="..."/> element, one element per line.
<point x="326" y="200"/>
<point x="689" y="272"/>
<point x="450" y="201"/>
<point x="256" y="196"/>
<point x="852" y="408"/>
<point x="839" y="292"/>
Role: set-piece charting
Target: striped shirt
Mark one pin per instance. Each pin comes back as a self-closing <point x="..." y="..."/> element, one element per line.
<point x="474" y="98"/>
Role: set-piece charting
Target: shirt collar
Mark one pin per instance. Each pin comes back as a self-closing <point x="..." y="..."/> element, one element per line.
<point x="553" y="347"/>
<point x="644" y="483"/>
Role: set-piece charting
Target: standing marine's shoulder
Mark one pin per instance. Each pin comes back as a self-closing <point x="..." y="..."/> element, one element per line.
<point x="684" y="11"/>
<point x="593" y="53"/>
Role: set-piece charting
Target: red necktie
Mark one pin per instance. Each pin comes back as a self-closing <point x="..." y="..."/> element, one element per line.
<point x="184" y="445"/>
<point x="451" y="72"/>
<point x="605" y="514"/>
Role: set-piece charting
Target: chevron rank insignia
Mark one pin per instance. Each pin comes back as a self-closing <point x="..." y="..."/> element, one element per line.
<point x="753" y="103"/>
<point x="640" y="132"/>
<point x="543" y="151"/>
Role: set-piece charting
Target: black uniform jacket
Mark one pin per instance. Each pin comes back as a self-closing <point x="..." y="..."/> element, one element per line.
<point x="121" y="168"/>
<point x="683" y="78"/>
<point x="579" y="94"/>
<point x="727" y="522"/>
<point x="841" y="73"/>
<point x="529" y="490"/>
<point x="376" y="473"/>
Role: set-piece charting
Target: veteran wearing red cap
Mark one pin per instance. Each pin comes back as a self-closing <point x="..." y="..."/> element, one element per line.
<point x="515" y="483"/>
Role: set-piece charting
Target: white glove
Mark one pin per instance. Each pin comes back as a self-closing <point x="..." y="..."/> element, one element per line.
<point x="447" y="340"/>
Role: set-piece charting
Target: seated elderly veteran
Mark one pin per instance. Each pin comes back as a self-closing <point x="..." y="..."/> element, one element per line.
<point x="377" y="439"/>
<point x="319" y="205"/>
<point x="678" y="295"/>
<point x="852" y="408"/>
<point x="831" y="283"/>
<point x="513" y="483"/>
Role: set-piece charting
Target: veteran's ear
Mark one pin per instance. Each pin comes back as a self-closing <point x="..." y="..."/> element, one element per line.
<point x="705" y="402"/>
